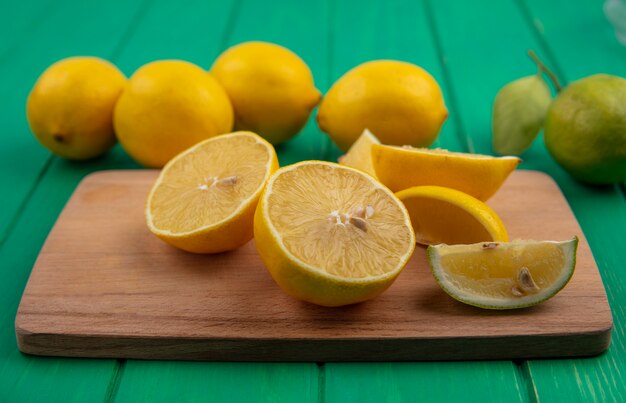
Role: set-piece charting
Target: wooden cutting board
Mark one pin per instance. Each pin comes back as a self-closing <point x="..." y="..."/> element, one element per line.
<point x="104" y="286"/>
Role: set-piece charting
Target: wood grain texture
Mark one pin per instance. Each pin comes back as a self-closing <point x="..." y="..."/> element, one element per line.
<point x="103" y="286"/>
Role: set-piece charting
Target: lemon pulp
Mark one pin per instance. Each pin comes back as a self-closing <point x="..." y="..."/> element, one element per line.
<point x="359" y="155"/>
<point x="338" y="222"/>
<point x="330" y="234"/>
<point x="204" y="199"/>
<point x="209" y="185"/>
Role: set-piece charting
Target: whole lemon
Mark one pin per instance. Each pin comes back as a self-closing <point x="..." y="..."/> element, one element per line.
<point x="167" y="107"/>
<point x="70" y="108"/>
<point x="585" y="129"/>
<point x="271" y="88"/>
<point x="399" y="102"/>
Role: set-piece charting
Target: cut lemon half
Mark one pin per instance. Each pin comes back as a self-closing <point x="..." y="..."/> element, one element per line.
<point x="480" y="176"/>
<point x="331" y="235"/>
<point x="444" y="215"/>
<point x="204" y="199"/>
<point x="359" y="155"/>
<point x="496" y="275"/>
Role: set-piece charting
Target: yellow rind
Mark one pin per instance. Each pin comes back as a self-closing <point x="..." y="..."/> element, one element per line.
<point x="480" y="176"/>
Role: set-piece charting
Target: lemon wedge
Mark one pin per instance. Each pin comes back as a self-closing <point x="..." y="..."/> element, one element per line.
<point x="359" y="156"/>
<point x="331" y="235"/>
<point x="204" y="199"/>
<point x="503" y="275"/>
<point x="480" y="176"/>
<point x="444" y="215"/>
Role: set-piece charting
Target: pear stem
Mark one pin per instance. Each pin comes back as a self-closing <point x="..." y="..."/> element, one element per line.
<point x="544" y="69"/>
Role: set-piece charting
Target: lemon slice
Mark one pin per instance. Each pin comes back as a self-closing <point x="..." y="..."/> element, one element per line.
<point x="509" y="275"/>
<point x="478" y="175"/>
<point x="444" y="215"/>
<point x="331" y="235"/>
<point x="204" y="199"/>
<point x="359" y="155"/>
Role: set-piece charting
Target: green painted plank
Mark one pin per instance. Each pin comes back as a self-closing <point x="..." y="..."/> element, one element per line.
<point x="29" y="378"/>
<point x="191" y="30"/>
<point x="479" y="65"/>
<point x="174" y="381"/>
<point x="559" y="29"/>
<point x="400" y="30"/>
<point x="580" y="39"/>
<point x="68" y="29"/>
<point x="19" y="20"/>
<point x="217" y="382"/>
<point x="425" y="381"/>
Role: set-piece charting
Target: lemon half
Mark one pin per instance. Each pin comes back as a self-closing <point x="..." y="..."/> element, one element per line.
<point x="204" y="199"/>
<point x="331" y="235"/>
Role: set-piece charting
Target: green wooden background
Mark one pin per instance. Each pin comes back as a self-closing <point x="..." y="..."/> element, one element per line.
<point x="471" y="47"/>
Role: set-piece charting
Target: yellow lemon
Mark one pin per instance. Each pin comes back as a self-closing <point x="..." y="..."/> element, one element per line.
<point x="70" y="108"/>
<point x="501" y="275"/>
<point x="480" y="176"/>
<point x="167" y="107"/>
<point x="204" y="199"/>
<point x="444" y="215"/>
<point x="359" y="155"/>
<point x="271" y="89"/>
<point x="398" y="101"/>
<point x="331" y="235"/>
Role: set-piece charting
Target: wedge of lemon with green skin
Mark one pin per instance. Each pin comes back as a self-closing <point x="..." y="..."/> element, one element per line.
<point x="503" y="275"/>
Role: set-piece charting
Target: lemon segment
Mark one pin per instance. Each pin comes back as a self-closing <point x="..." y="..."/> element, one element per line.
<point x="331" y="235"/>
<point x="480" y="176"/>
<point x="204" y="198"/>
<point x="509" y="275"/>
<point x="443" y="215"/>
<point x="359" y="155"/>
